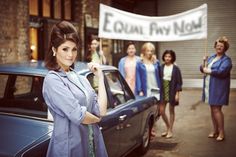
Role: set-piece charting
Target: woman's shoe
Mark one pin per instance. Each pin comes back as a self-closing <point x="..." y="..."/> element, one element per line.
<point x="169" y="135"/>
<point x="213" y="135"/>
<point x="164" y="134"/>
<point x="220" y="138"/>
<point x="153" y="133"/>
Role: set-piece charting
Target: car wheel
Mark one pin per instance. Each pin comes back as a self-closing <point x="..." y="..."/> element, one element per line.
<point x="145" y="139"/>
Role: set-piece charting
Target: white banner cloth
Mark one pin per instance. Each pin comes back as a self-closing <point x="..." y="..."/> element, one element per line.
<point x="118" y="24"/>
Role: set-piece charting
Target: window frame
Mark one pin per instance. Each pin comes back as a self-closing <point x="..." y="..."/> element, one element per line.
<point x="51" y="12"/>
<point x="109" y="106"/>
<point x="124" y="86"/>
<point x="33" y="108"/>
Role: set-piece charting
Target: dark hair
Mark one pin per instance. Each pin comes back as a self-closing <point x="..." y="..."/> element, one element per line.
<point x="128" y="44"/>
<point x="60" y="33"/>
<point x="88" y="57"/>
<point x="224" y="41"/>
<point x="171" y="53"/>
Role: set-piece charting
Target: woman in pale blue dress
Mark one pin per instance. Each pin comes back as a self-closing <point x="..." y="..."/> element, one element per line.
<point x="74" y="105"/>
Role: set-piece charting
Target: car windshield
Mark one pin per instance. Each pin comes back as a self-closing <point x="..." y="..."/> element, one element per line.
<point x="22" y="95"/>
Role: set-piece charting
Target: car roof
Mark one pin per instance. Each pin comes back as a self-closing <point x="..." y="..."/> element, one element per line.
<point x="37" y="68"/>
<point x="24" y="68"/>
<point x="19" y="132"/>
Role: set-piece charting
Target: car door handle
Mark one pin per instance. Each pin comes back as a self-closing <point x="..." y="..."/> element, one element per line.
<point x="123" y="117"/>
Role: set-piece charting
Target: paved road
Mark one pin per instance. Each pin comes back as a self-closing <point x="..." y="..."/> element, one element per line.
<point x="192" y="126"/>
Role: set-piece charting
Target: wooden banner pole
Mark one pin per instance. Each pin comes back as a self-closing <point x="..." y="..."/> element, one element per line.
<point x="205" y="53"/>
<point x="100" y="44"/>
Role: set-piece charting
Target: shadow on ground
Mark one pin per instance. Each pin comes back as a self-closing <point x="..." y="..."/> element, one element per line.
<point x="163" y="145"/>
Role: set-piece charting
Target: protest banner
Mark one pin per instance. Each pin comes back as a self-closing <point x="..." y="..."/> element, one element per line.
<point x="118" y="24"/>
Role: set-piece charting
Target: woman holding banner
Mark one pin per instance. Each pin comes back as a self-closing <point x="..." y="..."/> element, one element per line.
<point x="216" y="85"/>
<point x="148" y="80"/>
<point x="95" y="54"/>
<point x="127" y="65"/>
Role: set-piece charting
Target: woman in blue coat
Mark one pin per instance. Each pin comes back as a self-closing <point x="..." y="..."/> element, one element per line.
<point x="216" y="86"/>
<point x="74" y="105"/>
<point x="147" y="71"/>
<point x="148" y="80"/>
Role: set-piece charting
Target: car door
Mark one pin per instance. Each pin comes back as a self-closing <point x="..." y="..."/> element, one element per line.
<point x="109" y="124"/>
<point x="126" y="111"/>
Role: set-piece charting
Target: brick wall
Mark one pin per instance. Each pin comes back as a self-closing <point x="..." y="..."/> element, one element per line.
<point x="14" y="31"/>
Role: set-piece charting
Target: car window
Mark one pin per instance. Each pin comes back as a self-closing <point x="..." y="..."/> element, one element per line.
<point x="22" y="85"/>
<point x="3" y="84"/>
<point x="23" y="95"/>
<point x="93" y="80"/>
<point x="120" y="92"/>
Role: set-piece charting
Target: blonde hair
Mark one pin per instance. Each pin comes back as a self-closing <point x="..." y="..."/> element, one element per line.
<point x="145" y="47"/>
<point x="224" y="41"/>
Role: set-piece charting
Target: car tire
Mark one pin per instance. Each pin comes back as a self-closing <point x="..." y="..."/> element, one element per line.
<point x="143" y="148"/>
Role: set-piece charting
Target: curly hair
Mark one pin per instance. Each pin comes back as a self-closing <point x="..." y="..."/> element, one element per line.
<point x="224" y="41"/>
<point x="171" y="53"/>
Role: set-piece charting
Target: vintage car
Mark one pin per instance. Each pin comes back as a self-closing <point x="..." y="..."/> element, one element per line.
<point x="26" y="124"/>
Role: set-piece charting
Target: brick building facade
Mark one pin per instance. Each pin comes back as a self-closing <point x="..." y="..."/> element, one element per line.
<point x="14" y="40"/>
<point x="16" y="25"/>
<point x="16" y="21"/>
